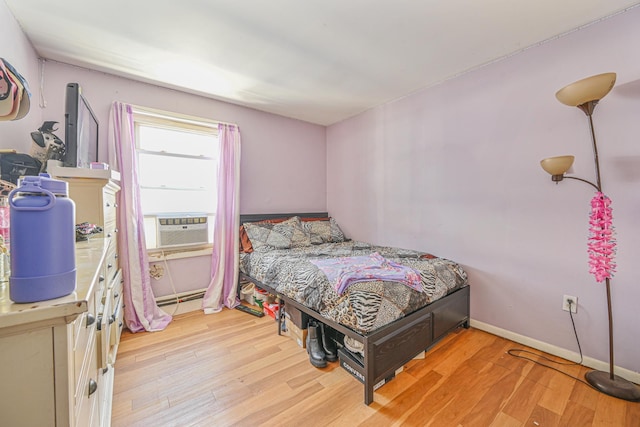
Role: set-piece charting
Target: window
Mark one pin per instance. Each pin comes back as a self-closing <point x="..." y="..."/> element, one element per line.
<point x="177" y="162"/>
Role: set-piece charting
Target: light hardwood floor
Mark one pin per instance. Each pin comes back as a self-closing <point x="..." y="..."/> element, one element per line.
<point x="232" y="368"/>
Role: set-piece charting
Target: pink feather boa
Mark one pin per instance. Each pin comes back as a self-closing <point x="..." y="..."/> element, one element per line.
<point x="602" y="245"/>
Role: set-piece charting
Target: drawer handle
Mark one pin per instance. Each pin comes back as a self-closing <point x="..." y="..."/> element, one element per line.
<point x="109" y="265"/>
<point x="99" y="325"/>
<point x="109" y="235"/>
<point x="93" y="386"/>
<point x="101" y="278"/>
<point x="108" y="204"/>
<point x="116" y="295"/>
<point x="112" y="318"/>
<point x="91" y="319"/>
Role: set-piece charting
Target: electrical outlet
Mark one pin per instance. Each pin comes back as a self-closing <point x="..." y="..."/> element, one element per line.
<point x="573" y="306"/>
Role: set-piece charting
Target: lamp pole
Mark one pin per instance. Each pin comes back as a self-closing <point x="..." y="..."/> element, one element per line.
<point x="588" y="109"/>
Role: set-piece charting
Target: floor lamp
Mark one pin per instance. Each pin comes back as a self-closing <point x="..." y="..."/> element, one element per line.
<point x="585" y="95"/>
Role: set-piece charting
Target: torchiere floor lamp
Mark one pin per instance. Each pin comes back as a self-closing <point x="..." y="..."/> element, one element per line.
<point x="585" y="94"/>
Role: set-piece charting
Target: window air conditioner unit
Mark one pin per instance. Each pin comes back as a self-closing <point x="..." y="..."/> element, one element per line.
<point x="188" y="229"/>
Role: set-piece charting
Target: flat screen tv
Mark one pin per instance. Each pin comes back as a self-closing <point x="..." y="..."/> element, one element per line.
<point x="81" y="129"/>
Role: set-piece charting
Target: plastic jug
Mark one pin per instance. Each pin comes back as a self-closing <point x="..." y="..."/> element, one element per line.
<point x="5" y="241"/>
<point x="43" y="263"/>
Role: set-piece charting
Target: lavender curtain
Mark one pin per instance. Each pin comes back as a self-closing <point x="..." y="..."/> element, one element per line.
<point x="140" y="312"/>
<point x="221" y="291"/>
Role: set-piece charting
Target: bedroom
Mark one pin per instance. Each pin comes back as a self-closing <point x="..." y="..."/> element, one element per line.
<point x="452" y="169"/>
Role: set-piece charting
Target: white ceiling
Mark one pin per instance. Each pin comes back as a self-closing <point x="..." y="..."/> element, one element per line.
<point x="315" y="60"/>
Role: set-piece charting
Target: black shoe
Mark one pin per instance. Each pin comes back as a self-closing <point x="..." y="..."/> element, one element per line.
<point x="328" y="345"/>
<point x="314" y="346"/>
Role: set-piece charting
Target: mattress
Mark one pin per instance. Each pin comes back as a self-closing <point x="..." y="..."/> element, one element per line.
<point x="365" y="305"/>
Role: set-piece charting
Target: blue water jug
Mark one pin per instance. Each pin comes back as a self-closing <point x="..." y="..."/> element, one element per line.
<point x="42" y="229"/>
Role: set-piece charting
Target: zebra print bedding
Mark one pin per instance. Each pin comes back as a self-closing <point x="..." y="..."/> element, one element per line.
<point x="364" y="306"/>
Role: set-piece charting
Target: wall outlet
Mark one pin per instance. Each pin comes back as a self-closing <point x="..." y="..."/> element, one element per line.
<point x="573" y="306"/>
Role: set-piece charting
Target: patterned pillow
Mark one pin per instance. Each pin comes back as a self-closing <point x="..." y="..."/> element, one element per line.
<point x="282" y="235"/>
<point x="245" y="243"/>
<point x="323" y="231"/>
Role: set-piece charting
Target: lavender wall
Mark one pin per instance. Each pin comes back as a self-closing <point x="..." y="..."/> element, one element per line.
<point x="18" y="51"/>
<point x="454" y="170"/>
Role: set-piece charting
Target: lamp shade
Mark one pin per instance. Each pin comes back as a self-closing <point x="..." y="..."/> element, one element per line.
<point x="592" y="88"/>
<point x="557" y="165"/>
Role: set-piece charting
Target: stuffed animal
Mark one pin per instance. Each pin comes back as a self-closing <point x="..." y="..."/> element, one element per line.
<point x="46" y="145"/>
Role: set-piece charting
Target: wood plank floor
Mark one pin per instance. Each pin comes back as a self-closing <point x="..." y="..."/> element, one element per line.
<point x="232" y="368"/>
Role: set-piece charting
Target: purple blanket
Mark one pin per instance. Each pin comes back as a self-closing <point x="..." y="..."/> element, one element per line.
<point x="345" y="271"/>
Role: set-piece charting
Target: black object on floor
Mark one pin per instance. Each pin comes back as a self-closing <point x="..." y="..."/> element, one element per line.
<point x="249" y="310"/>
<point x="314" y="346"/>
<point x="328" y="345"/>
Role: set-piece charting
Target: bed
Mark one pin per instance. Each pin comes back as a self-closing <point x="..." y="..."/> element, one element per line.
<point x="390" y="321"/>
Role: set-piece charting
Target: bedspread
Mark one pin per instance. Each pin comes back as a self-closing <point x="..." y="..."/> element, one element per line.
<point x="364" y="306"/>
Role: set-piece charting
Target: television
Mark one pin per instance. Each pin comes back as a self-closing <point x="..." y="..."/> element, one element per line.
<point x="80" y="130"/>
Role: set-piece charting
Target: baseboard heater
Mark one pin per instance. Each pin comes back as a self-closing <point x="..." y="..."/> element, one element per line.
<point x="182" y="297"/>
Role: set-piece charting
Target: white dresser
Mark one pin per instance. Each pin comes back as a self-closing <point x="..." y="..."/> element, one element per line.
<point x="96" y="203"/>
<point x="49" y="367"/>
<point x="57" y="357"/>
<point x="95" y="195"/>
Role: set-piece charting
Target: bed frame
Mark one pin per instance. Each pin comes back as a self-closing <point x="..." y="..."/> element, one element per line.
<point x="390" y="347"/>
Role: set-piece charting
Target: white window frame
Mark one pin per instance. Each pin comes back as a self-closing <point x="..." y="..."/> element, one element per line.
<point x="151" y="117"/>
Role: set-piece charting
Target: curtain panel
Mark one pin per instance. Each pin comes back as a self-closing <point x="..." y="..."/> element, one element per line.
<point x="141" y="312"/>
<point x="221" y="291"/>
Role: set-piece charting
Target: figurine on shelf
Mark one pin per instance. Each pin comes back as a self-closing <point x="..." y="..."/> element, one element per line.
<point x="46" y="145"/>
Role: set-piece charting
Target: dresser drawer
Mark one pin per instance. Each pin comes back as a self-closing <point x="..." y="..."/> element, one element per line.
<point x="84" y="356"/>
<point x="104" y="332"/>
<point x="86" y="395"/>
<point x="84" y="336"/>
<point x="115" y="289"/>
<point x="111" y="261"/>
<point x="117" y="316"/>
<point x="109" y="212"/>
<point x="109" y="228"/>
<point x="109" y="205"/>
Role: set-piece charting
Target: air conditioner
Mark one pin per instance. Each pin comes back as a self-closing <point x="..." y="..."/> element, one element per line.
<point x="187" y="229"/>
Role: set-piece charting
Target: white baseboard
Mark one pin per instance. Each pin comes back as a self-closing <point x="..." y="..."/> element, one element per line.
<point x="555" y="350"/>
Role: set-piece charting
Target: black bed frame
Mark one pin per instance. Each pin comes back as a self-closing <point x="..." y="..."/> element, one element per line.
<point x="390" y="347"/>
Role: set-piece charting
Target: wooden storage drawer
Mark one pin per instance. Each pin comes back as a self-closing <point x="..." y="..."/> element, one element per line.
<point x="109" y="200"/>
<point x="116" y="290"/>
<point x="110" y="227"/>
<point x="117" y="306"/>
<point x="111" y="262"/>
<point x="84" y="338"/>
<point x="84" y="334"/>
<point x="86" y="410"/>
<point x="104" y="332"/>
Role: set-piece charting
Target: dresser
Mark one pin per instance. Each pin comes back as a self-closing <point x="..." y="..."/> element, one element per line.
<point x="57" y="357"/>
<point x="95" y="195"/>
<point x="96" y="203"/>
<point x="50" y="372"/>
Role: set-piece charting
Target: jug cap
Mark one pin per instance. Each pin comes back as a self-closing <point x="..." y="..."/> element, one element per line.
<point x="44" y="180"/>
